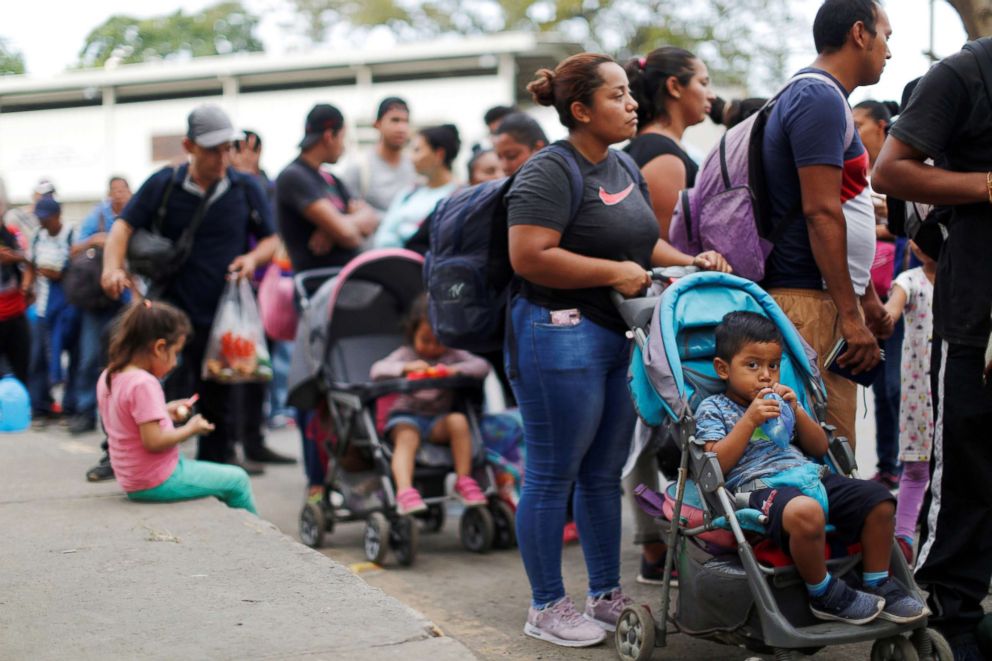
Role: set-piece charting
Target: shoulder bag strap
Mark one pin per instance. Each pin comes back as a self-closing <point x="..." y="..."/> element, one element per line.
<point x="577" y="183"/>
<point x="184" y="246"/>
<point x="164" y="204"/>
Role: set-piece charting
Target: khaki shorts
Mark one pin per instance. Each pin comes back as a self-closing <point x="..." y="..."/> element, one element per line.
<point x="815" y="317"/>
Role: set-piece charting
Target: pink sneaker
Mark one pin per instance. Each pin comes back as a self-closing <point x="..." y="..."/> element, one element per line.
<point x="468" y="491"/>
<point x="409" y="501"/>
<point x="605" y="610"/>
<point x="561" y="624"/>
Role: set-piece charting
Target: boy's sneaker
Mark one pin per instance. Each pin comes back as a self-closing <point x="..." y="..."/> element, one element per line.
<point x="901" y="605"/>
<point x="469" y="492"/>
<point x="653" y="573"/>
<point x="570" y="533"/>
<point x="409" y="501"/>
<point x="605" y="610"/>
<point x="843" y="603"/>
<point x="562" y="625"/>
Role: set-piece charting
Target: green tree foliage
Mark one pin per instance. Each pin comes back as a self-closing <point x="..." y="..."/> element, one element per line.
<point x="976" y="16"/>
<point x="742" y="41"/>
<point x="11" y="61"/>
<point x="226" y="27"/>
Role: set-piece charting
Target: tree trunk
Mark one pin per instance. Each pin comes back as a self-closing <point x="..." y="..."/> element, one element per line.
<point x="976" y="15"/>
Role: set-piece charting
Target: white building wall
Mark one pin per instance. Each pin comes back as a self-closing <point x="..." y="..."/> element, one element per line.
<point x="79" y="148"/>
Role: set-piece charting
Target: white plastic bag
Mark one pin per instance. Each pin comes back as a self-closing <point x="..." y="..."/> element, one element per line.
<point x="236" y="351"/>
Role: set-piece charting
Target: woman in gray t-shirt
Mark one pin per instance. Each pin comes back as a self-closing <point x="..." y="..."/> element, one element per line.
<point x="568" y="364"/>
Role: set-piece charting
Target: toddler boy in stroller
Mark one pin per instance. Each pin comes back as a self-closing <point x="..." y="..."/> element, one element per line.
<point x="774" y="477"/>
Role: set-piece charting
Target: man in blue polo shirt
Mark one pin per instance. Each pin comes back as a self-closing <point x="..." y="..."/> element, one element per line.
<point x="817" y="172"/>
<point x="236" y="208"/>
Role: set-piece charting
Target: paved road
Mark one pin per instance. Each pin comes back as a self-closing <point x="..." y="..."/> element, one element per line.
<point x="481" y="600"/>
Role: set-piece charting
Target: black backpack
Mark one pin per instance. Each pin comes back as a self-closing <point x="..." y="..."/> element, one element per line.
<point x="467" y="270"/>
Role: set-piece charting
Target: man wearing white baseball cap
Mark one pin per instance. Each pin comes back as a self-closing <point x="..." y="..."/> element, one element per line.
<point x="230" y="206"/>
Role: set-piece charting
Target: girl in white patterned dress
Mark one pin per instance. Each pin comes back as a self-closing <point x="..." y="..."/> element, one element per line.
<point x="912" y="295"/>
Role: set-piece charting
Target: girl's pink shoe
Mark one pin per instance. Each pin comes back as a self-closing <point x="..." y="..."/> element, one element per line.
<point x="467" y="489"/>
<point x="409" y="501"/>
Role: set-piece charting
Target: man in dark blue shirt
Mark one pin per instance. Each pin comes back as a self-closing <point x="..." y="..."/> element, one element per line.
<point x="236" y="208"/>
<point x="816" y="168"/>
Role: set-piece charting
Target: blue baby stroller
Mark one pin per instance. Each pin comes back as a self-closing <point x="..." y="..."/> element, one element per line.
<point x="729" y="592"/>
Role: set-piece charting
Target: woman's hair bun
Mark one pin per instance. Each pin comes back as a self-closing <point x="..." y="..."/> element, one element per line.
<point x="542" y="88"/>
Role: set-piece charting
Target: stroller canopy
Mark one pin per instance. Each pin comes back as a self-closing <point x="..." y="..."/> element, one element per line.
<point x="681" y="345"/>
<point x="353" y="320"/>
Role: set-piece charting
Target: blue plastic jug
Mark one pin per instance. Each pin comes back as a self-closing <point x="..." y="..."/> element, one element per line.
<point x="15" y="405"/>
<point x="779" y="429"/>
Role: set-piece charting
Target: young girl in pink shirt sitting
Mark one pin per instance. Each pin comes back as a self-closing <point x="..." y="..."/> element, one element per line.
<point x="426" y="414"/>
<point x="144" y="444"/>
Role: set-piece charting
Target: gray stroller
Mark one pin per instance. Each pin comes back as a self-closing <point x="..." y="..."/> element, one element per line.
<point x="351" y="320"/>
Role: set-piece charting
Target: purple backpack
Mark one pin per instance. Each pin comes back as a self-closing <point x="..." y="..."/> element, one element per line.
<point x="728" y="209"/>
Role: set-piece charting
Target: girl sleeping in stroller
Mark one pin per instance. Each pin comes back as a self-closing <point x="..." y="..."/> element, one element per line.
<point x="427" y="414"/>
<point x="768" y="471"/>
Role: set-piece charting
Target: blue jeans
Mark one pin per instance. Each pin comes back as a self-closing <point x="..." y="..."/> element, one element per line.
<point x="886" y="390"/>
<point x="571" y="386"/>
<point x="314" y="469"/>
<point x="282" y="354"/>
<point x="91" y="354"/>
<point x="39" y="386"/>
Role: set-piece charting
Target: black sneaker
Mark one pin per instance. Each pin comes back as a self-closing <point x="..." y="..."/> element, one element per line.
<point x="266" y="455"/>
<point x="653" y="573"/>
<point x="901" y="605"/>
<point x="102" y="471"/>
<point x="843" y="603"/>
<point x="251" y="467"/>
<point x="82" y="424"/>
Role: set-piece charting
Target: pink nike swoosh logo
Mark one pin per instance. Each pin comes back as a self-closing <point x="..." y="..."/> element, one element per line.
<point x="611" y="199"/>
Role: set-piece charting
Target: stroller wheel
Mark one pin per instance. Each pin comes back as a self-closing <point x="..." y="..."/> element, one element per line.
<point x="477" y="529"/>
<point x="634" y="636"/>
<point x="894" y="648"/>
<point x="376" y="537"/>
<point x="505" y="524"/>
<point x="313" y="524"/>
<point x="403" y="540"/>
<point x="434" y="518"/>
<point x="931" y="645"/>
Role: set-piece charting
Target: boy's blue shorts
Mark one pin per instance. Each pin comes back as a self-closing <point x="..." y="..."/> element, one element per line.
<point x="850" y="502"/>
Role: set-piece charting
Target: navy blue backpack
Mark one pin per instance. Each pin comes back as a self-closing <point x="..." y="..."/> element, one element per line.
<point x="467" y="271"/>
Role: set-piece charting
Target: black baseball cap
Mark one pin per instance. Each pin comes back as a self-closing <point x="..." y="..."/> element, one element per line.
<point x="388" y="104"/>
<point x="322" y="117"/>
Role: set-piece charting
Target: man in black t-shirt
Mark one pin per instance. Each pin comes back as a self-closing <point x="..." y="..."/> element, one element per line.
<point x="320" y="225"/>
<point x="949" y="119"/>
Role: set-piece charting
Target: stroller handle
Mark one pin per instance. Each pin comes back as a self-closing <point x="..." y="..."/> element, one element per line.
<point x="300" y="280"/>
<point x="660" y="274"/>
<point x="672" y="272"/>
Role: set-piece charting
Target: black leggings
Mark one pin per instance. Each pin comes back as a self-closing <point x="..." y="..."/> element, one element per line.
<point x="15" y="345"/>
